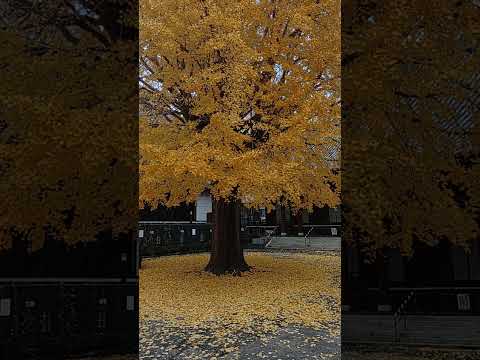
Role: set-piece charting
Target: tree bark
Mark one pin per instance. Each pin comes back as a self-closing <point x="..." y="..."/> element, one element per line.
<point x="226" y="254"/>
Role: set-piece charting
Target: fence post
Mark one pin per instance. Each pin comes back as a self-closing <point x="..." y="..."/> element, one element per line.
<point x="61" y="315"/>
<point x="14" y="311"/>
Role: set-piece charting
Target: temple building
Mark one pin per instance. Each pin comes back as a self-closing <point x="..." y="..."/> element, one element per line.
<point x="189" y="227"/>
<point x="282" y="219"/>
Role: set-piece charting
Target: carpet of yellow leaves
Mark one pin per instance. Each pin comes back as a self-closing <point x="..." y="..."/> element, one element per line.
<point x="281" y="290"/>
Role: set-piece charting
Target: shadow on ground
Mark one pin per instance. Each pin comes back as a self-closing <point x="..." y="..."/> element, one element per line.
<point x="159" y="341"/>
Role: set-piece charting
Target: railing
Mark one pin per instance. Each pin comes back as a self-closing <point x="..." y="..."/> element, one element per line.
<point x="324" y="230"/>
<point x="167" y="237"/>
<point x="437" y="300"/>
<point x="443" y="300"/>
<point x="307" y="243"/>
<point x="268" y="231"/>
<point x="261" y="231"/>
<point x="399" y="312"/>
<point x="68" y="316"/>
<point x="431" y="300"/>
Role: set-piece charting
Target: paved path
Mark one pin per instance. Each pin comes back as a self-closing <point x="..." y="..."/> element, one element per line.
<point x="158" y="341"/>
<point x="379" y="352"/>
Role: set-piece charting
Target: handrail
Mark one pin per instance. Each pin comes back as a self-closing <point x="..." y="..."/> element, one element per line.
<point x="306" y="236"/>
<point x="398" y="313"/>
<point x="269" y="235"/>
<point x="269" y="231"/>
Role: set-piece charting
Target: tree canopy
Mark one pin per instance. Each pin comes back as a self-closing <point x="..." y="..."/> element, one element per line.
<point x="241" y="98"/>
<point x="68" y="131"/>
<point x="410" y="120"/>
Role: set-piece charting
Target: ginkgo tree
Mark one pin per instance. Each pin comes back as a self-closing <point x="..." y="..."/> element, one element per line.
<point x="240" y="98"/>
<point x="410" y="102"/>
<point x="68" y="131"/>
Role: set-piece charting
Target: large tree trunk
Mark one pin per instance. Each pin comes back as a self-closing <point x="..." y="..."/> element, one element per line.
<point x="226" y="253"/>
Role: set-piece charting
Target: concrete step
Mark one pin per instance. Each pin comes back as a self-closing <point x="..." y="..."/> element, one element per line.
<point x="446" y="330"/>
<point x="459" y="330"/>
<point x="298" y="242"/>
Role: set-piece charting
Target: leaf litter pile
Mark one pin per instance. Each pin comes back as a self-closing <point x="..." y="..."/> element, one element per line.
<point x="281" y="292"/>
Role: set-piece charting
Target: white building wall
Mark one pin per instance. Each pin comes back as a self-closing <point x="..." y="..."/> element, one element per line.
<point x="203" y="206"/>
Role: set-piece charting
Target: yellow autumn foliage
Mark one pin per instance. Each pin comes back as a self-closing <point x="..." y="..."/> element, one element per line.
<point x="241" y="98"/>
<point x="410" y="124"/>
<point x="68" y="133"/>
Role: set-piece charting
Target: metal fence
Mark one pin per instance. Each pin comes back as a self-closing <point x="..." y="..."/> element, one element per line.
<point x="53" y="317"/>
<point x="333" y="230"/>
<point x="161" y="238"/>
<point x="436" y="300"/>
<point x="257" y="235"/>
<point x="168" y="237"/>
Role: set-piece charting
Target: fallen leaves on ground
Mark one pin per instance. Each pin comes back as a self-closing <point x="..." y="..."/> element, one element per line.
<point x="298" y="289"/>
